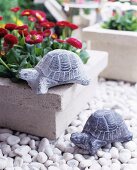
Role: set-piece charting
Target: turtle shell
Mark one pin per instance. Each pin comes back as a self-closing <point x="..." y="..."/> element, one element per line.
<point x="61" y="65"/>
<point x="106" y="125"/>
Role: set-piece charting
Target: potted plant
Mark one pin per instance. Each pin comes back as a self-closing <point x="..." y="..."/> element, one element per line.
<point x="118" y="37"/>
<point x="23" y="46"/>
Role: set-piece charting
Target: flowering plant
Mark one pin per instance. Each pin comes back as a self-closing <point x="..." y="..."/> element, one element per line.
<point x="126" y="21"/>
<point x="23" y="46"/>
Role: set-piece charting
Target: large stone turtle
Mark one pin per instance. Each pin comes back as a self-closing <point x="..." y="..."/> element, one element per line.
<point x="56" y="68"/>
<point x="102" y="127"/>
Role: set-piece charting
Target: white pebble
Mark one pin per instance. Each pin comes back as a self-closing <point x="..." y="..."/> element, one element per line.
<point x="72" y="163"/>
<point x="37" y="165"/>
<point x="4" y="136"/>
<point x="42" y="157"/>
<point x="124" y="155"/>
<point x="95" y="166"/>
<point x="32" y="144"/>
<point x="100" y="153"/>
<point x="3" y="162"/>
<point x="12" y="140"/>
<point x="114" y="153"/>
<point x="85" y="163"/>
<point x="55" y="158"/>
<point x="61" y="145"/>
<point x="67" y="156"/>
<point x="79" y="157"/>
<point x="33" y="153"/>
<point x="43" y="144"/>
<point x="48" y="151"/>
<point x="22" y="150"/>
<point x="27" y="158"/>
<point x="12" y="154"/>
<point x="57" y="151"/>
<point x="118" y="145"/>
<point x="18" y="161"/>
<point x="103" y="161"/>
<point x="48" y="163"/>
<point x="25" y="140"/>
<point x="131" y="145"/>
<point x="10" y="162"/>
<point x="6" y="149"/>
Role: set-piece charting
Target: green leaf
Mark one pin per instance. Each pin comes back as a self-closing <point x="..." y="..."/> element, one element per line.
<point x="84" y="55"/>
<point x="38" y="51"/>
<point x="56" y="45"/>
<point x="12" y="57"/>
<point x="4" y="72"/>
<point x="46" y="50"/>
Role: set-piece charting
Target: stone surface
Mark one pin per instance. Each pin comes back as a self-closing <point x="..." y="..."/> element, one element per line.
<point x="55" y="107"/>
<point x="121" y="46"/>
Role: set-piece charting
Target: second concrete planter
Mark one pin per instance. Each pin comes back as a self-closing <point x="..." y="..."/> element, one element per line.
<point x="121" y="46"/>
<point x="47" y="115"/>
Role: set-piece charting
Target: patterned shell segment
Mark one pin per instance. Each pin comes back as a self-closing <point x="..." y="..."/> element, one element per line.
<point x="61" y="65"/>
<point x="105" y="125"/>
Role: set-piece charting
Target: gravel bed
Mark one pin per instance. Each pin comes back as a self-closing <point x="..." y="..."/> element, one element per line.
<point x="20" y="151"/>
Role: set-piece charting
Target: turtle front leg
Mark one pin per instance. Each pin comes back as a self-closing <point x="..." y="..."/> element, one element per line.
<point x="44" y="84"/>
<point x="42" y="87"/>
<point x="95" y="145"/>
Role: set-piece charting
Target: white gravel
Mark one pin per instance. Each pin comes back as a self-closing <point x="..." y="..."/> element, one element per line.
<point x="20" y="151"/>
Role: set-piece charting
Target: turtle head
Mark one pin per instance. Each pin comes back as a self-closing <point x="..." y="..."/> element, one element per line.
<point x="28" y="74"/>
<point x="79" y="139"/>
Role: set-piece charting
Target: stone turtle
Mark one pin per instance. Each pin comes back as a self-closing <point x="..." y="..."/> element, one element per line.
<point x="55" y="68"/>
<point x="102" y="127"/>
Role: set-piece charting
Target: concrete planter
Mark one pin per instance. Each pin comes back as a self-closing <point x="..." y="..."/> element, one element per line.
<point x="47" y="115"/>
<point x="121" y="46"/>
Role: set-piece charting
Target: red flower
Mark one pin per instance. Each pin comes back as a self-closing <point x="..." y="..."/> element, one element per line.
<point x="74" y="42"/>
<point x="1" y="18"/>
<point x="10" y="26"/>
<point x="34" y="39"/>
<point x="62" y="23"/>
<point x="66" y="24"/>
<point x="72" y="26"/>
<point x="3" y="32"/>
<point x="54" y="36"/>
<point x="27" y="12"/>
<point x="31" y="18"/>
<point x="48" y="24"/>
<point x="60" y="41"/>
<point x="33" y="32"/>
<point x="9" y="41"/>
<point x="22" y="27"/>
<point x="15" y="9"/>
<point x="40" y="15"/>
<point x="23" y="32"/>
<point x="46" y="33"/>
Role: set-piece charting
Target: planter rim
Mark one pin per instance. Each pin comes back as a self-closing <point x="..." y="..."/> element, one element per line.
<point x="98" y="29"/>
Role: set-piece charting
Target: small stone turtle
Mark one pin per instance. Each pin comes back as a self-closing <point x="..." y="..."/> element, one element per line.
<point x="102" y="127"/>
<point x="55" y="68"/>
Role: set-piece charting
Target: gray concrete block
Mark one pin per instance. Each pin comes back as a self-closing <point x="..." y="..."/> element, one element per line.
<point x="121" y="46"/>
<point x="47" y="115"/>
